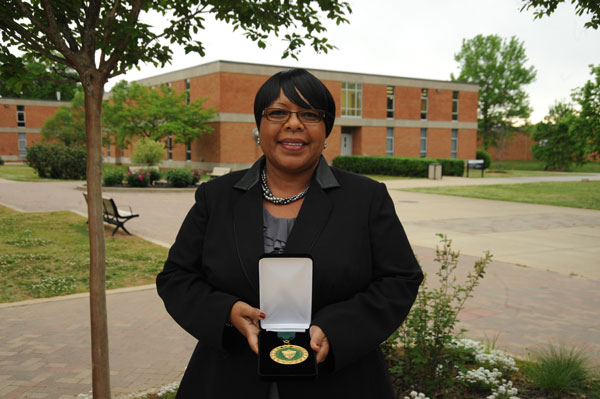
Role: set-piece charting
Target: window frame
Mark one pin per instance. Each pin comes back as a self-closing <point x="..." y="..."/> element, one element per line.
<point x="455" y="105"/>
<point x="423" y="143"/>
<point x="390" y="102"/>
<point x="389" y="141"/>
<point x="454" y="143"/>
<point x="355" y="110"/>
<point x="21" y="113"/>
<point x="424" y="101"/>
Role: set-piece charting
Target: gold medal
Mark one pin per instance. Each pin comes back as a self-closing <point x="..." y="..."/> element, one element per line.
<point x="289" y="354"/>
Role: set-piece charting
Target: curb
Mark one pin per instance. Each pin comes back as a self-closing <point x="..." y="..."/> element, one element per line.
<point x="76" y="296"/>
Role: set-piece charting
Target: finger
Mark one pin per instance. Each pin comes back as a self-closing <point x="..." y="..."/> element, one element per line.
<point x="316" y="337"/>
<point x="323" y="351"/>
<point x="252" y="313"/>
<point x="252" y="338"/>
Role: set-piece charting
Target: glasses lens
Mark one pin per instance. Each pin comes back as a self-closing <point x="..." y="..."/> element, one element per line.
<point x="277" y="114"/>
<point x="310" y="116"/>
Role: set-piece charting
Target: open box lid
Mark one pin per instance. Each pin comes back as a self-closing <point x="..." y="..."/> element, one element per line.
<point x="285" y="292"/>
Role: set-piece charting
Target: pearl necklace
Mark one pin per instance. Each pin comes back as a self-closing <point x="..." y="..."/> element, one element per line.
<point x="268" y="195"/>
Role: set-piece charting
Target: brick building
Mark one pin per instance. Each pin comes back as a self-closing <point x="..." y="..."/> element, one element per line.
<point x="20" y="123"/>
<point x="376" y="115"/>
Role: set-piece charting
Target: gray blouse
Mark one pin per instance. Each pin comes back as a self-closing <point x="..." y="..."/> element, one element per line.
<point x="275" y="231"/>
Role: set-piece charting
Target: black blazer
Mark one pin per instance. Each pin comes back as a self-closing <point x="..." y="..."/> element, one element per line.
<point x="365" y="279"/>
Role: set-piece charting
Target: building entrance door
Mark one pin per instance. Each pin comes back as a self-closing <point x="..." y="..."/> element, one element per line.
<point x="346" y="142"/>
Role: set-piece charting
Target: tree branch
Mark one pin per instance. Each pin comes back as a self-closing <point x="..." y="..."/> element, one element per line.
<point x="116" y="55"/>
<point x="88" y="38"/>
<point x="52" y="30"/>
<point x="32" y="42"/>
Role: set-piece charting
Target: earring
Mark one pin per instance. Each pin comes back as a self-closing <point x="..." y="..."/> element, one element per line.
<point x="325" y="145"/>
<point x="258" y="140"/>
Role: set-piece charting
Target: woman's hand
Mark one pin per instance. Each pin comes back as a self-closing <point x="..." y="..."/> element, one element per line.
<point x="245" y="318"/>
<point x="319" y="343"/>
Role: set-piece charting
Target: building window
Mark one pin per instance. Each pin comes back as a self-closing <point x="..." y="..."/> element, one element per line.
<point x="188" y="152"/>
<point x="423" y="148"/>
<point x="20" y="115"/>
<point x="454" y="144"/>
<point x="108" y="150"/>
<point x="390" y="102"/>
<point x="454" y="105"/>
<point x="187" y="88"/>
<point x="351" y="102"/>
<point x="424" y="103"/>
<point x="22" y="144"/>
<point x="170" y="147"/>
<point x="389" y="141"/>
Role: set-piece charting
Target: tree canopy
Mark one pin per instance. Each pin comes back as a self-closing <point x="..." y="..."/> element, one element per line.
<point x="136" y="111"/>
<point x="547" y="7"/>
<point x="23" y="77"/>
<point x="559" y="144"/>
<point x="588" y="98"/>
<point x="67" y="125"/>
<point x="498" y="66"/>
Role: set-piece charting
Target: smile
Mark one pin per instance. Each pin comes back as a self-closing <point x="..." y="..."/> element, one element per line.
<point x="292" y="145"/>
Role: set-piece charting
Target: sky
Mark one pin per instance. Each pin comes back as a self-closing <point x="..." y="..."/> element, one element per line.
<point x="418" y="39"/>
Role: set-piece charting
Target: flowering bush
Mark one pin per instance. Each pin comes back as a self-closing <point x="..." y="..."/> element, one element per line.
<point x="420" y="353"/>
<point x="197" y="175"/>
<point x="137" y="179"/>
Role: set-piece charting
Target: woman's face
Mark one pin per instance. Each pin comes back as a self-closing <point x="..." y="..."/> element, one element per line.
<point x="291" y="146"/>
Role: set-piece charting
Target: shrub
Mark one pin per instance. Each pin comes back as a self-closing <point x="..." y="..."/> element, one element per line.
<point x="57" y="161"/>
<point x="147" y="152"/>
<point x="197" y="175"/>
<point x="429" y="356"/>
<point x="1" y="161"/>
<point x="560" y="370"/>
<point x="397" y="166"/>
<point x="154" y="175"/>
<point x="487" y="158"/>
<point x="112" y="178"/>
<point x="137" y="179"/>
<point x="180" y="177"/>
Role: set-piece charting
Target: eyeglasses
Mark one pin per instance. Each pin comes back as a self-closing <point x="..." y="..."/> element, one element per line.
<point x="281" y="115"/>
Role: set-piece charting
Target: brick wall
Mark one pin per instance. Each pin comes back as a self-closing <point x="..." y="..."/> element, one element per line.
<point x="408" y="103"/>
<point x="517" y="148"/>
<point x="406" y="142"/>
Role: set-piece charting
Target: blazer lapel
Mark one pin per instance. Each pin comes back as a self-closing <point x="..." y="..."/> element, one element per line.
<point x="311" y="220"/>
<point x="248" y="231"/>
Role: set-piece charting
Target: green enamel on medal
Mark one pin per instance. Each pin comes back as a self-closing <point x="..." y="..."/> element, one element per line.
<point x="287" y="353"/>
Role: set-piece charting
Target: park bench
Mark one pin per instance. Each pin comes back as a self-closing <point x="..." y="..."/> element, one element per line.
<point x="134" y="169"/>
<point x="475" y="164"/>
<point x="218" y="171"/>
<point x="113" y="215"/>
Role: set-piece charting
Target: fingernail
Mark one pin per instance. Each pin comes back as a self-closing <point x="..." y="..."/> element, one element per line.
<point x="262" y="315"/>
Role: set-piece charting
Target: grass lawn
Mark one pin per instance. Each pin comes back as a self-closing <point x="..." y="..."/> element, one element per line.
<point x="47" y="254"/>
<point x="572" y="194"/>
<point x="20" y="173"/>
<point x="591" y="167"/>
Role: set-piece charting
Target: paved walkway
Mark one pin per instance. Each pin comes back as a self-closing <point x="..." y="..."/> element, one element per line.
<point x="543" y="286"/>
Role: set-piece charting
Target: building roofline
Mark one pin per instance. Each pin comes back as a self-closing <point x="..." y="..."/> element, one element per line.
<point x="324" y="74"/>
<point x="33" y="101"/>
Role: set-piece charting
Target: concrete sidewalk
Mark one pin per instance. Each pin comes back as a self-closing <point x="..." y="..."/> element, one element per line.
<point x="542" y="287"/>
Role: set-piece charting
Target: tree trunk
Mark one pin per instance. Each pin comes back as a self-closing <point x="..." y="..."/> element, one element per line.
<point x="94" y="91"/>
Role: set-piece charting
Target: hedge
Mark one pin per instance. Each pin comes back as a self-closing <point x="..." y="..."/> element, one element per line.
<point x="57" y="161"/>
<point x="397" y="166"/>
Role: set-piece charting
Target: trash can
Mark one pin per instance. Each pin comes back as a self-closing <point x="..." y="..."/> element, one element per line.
<point x="435" y="171"/>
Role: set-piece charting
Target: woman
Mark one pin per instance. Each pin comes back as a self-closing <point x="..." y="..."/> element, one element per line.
<point x="365" y="276"/>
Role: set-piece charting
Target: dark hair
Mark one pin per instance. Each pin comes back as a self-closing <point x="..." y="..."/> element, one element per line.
<point x="292" y="82"/>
